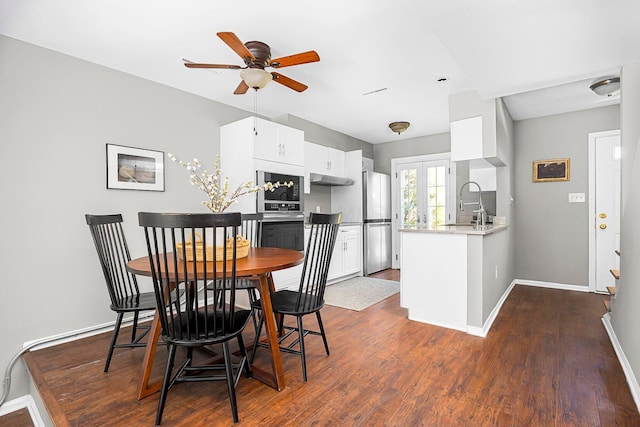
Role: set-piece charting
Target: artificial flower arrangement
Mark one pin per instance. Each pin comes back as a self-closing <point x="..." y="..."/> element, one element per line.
<point x="219" y="195"/>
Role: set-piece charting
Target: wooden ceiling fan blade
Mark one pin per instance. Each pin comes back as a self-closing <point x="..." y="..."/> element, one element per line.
<point x="289" y="82"/>
<point x="297" y="59"/>
<point x="241" y="89"/>
<point x="234" y="43"/>
<point x="226" y="66"/>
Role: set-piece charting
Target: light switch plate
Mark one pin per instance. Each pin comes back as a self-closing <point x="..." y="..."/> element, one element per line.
<point x="576" y="198"/>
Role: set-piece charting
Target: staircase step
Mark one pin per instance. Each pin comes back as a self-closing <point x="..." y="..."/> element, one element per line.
<point x="616" y="273"/>
<point x="612" y="290"/>
<point x="617" y="252"/>
<point x="607" y="305"/>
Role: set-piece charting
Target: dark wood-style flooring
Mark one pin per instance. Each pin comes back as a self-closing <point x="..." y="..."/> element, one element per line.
<point x="547" y="361"/>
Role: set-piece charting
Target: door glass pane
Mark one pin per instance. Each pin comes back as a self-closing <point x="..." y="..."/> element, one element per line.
<point x="436" y="188"/>
<point x="408" y="198"/>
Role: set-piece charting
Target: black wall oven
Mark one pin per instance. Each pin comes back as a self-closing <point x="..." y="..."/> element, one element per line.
<point x="283" y="223"/>
<point x="283" y="232"/>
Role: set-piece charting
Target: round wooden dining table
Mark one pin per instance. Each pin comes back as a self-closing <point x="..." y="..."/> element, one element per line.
<point x="259" y="263"/>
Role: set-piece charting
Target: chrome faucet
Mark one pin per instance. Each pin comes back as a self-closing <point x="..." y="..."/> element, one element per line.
<point x="480" y="211"/>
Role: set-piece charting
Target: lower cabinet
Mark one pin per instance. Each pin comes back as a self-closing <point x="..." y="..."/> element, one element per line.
<point x="288" y="278"/>
<point x="346" y="259"/>
<point x="347" y="254"/>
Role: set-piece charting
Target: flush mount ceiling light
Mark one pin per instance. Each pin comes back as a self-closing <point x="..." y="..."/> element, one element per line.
<point x="399" y="127"/>
<point x="256" y="78"/>
<point x="609" y="86"/>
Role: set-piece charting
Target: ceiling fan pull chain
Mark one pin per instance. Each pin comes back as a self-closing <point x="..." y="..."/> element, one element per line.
<point x="255" y="112"/>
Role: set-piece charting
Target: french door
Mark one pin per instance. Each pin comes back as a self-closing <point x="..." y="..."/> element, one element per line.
<point x="422" y="196"/>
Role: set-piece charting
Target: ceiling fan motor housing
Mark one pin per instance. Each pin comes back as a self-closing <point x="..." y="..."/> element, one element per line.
<point x="262" y="53"/>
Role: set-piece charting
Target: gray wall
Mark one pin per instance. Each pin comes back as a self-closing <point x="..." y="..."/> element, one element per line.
<point x="625" y="316"/>
<point x="551" y="243"/>
<point x="430" y="144"/>
<point x="323" y="136"/>
<point x="56" y="115"/>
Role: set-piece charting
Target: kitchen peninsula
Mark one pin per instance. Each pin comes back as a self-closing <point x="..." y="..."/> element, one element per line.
<point x="454" y="275"/>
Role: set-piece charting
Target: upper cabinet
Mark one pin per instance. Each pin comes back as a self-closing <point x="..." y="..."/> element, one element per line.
<point x="323" y="160"/>
<point x="466" y="139"/>
<point x="484" y="173"/>
<point x="367" y="164"/>
<point x="267" y="140"/>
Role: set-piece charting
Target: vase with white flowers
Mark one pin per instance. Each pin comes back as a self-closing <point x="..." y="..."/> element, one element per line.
<point x="219" y="193"/>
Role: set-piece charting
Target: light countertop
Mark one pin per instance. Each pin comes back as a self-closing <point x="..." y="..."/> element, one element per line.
<point x="457" y="229"/>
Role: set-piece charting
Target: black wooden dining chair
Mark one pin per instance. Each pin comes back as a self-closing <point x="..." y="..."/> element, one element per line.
<point x="251" y="230"/>
<point x="309" y="298"/>
<point x="113" y="253"/>
<point x="200" y="321"/>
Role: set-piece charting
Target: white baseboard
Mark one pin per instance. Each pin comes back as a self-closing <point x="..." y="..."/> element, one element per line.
<point x="622" y="358"/>
<point x="482" y="332"/>
<point x="25" y="401"/>
<point x="562" y="286"/>
<point x="84" y="332"/>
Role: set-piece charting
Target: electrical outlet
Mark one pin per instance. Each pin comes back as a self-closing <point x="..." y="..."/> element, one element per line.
<point x="576" y="198"/>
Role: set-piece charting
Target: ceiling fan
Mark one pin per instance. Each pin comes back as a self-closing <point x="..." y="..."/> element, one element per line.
<point x="256" y="56"/>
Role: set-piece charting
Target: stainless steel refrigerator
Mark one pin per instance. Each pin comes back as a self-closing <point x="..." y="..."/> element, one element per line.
<point x="376" y="209"/>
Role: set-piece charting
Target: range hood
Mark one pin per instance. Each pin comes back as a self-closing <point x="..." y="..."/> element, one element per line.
<point x="336" y="181"/>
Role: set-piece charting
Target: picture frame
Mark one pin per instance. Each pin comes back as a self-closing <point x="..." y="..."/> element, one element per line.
<point x="130" y="168"/>
<point x="551" y="170"/>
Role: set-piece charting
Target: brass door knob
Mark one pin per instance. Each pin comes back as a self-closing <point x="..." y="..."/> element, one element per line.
<point x="603" y="215"/>
<point x="603" y="226"/>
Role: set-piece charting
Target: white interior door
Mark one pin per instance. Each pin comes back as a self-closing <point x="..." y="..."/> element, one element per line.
<point x="604" y="208"/>
<point x="422" y="192"/>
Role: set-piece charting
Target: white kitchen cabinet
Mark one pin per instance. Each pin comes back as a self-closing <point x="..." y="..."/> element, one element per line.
<point x="265" y="140"/>
<point x="367" y="164"/>
<point x="323" y="160"/>
<point x="289" y="278"/>
<point x="335" y="162"/>
<point x="466" y="139"/>
<point x="347" y="253"/>
<point x="484" y="173"/>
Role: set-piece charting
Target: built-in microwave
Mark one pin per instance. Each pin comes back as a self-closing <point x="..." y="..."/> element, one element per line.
<point x="283" y="198"/>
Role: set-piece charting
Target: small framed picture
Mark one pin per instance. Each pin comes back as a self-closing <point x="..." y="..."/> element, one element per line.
<point x="131" y="168"/>
<point x="551" y="170"/>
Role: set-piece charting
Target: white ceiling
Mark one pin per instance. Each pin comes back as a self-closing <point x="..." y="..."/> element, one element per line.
<point x="541" y="56"/>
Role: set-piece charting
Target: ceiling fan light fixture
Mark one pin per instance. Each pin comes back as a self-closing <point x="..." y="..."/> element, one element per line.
<point x="609" y="86"/>
<point x="256" y="78"/>
<point x="399" y="127"/>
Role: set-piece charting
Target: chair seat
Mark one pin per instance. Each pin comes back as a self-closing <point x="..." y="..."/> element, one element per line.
<point x="187" y="330"/>
<point x="145" y="301"/>
<point x="286" y="302"/>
